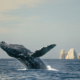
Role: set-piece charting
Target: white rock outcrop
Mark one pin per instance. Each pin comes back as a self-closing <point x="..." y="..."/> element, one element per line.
<point x="71" y="54"/>
<point x="78" y="56"/>
<point x="63" y="54"/>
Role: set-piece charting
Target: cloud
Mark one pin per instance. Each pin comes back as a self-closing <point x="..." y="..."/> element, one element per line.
<point x="6" y="5"/>
<point x="4" y="17"/>
<point x="32" y="18"/>
<point x="4" y="30"/>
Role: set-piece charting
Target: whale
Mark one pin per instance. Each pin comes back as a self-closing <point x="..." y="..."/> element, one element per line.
<point x="30" y="60"/>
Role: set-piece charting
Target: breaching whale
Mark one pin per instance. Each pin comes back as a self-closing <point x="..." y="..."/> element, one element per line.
<point x="29" y="59"/>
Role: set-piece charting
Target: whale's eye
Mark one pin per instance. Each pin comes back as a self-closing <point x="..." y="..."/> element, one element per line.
<point x="2" y="42"/>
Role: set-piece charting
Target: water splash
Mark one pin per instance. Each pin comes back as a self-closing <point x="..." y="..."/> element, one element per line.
<point x="22" y="69"/>
<point x="49" y="68"/>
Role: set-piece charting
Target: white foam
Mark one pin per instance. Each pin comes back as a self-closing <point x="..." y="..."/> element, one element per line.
<point x="49" y="68"/>
<point x="22" y="69"/>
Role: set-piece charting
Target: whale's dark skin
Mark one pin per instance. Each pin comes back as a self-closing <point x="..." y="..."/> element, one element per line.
<point x="29" y="59"/>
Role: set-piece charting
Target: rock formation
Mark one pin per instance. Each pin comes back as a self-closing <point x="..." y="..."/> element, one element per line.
<point x="63" y="54"/>
<point x="71" y="54"/>
<point x="79" y="56"/>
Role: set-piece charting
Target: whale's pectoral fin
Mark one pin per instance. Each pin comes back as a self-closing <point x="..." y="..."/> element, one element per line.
<point x="42" y="51"/>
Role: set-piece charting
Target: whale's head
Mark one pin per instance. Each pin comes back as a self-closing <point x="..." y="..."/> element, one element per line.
<point x="3" y="45"/>
<point x="13" y="50"/>
<point x="10" y="49"/>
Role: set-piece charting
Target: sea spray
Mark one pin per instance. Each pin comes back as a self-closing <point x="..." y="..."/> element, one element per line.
<point x="50" y="68"/>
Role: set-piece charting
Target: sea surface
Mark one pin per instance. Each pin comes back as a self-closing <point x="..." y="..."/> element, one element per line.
<point x="12" y="69"/>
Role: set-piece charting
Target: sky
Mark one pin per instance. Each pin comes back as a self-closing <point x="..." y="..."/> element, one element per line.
<point x="38" y="23"/>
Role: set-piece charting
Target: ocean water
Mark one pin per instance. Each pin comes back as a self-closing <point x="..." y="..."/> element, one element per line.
<point x="12" y="69"/>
